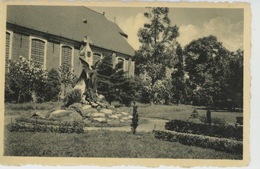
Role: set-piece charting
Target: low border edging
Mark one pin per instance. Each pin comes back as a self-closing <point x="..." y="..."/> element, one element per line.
<point x="222" y="144"/>
<point x="229" y="131"/>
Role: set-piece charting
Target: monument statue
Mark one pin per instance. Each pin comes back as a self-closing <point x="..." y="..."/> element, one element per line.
<point x="89" y="71"/>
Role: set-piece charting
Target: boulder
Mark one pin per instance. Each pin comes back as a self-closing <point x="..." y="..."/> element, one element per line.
<point x="88" y="112"/>
<point x="99" y="119"/>
<point x="121" y="121"/>
<point x="86" y="107"/>
<point x="75" y="116"/>
<point x="126" y="118"/>
<point x="101" y="97"/>
<point x="87" y="121"/>
<point x="65" y="115"/>
<point x="125" y="113"/>
<point x="113" y="122"/>
<point x="113" y="116"/>
<point x="41" y="114"/>
<point x="98" y="114"/>
<point x="111" y="107"/>
<point x="106" y="111"/>
<point x="94" y="105"/>
<point x="60" y="113"/>
<point x="76" y="105"/>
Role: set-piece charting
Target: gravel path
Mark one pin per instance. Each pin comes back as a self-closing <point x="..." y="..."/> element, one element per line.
<point x="149" y="126"/>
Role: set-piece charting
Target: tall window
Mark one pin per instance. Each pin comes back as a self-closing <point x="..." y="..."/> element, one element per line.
<point x="38" y="52"/>
<point x="66" y="56"/>
<point x="120" y="63"/>
<point x="8" y="47"/>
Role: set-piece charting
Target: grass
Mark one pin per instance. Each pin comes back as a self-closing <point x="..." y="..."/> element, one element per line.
<point x="18" y="109"/>
<point x="181" y="112"/>
<point x="104" y="143"/>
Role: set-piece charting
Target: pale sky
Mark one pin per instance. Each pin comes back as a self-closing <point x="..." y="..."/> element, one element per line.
<point x="193" y="23"/>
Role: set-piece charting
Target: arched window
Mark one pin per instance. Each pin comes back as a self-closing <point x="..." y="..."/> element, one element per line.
<point x="66" y="57"/>
<point x="120" y="63"/>
<point x="38" y="51"/>
<point x="8" y="48"/>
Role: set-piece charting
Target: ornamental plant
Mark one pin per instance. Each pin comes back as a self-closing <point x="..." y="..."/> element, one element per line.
<point x="135" y="119"/>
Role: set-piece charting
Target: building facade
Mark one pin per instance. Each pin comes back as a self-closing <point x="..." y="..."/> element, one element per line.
<point x="52" y="36"/>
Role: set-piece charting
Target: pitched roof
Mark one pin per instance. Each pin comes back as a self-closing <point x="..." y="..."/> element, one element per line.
<point x="67" y="21"/>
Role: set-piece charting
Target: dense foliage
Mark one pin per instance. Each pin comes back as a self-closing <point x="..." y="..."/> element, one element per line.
<point x="228" y="131"/>
<point x="222" y="144"/>
<point x="26" y="81"/>
<point x="73" y="96"/>
<point x="74" y="127"/>
<point x="114" y="83"/>
<point x="215" y="74"/>
<point x="203" y="73"/>
<point x="155" y="56"/>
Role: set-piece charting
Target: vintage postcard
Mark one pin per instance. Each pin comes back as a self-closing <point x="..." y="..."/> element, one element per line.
<point x="125" y="83"/>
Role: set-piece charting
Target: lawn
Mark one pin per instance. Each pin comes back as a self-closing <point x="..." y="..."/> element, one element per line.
<point x="181" y="112"/>
<point x="167" y="112"/>
<point x="104" y="143"/>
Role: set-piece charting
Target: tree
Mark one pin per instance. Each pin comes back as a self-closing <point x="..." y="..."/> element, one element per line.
<point x="208" y="65"/>
<point x="114" y="84"/>
<point x="104" y="87"/>
<point x="235" y="80"/>
<point x="157" y="38"/>
<point x="23" y="80"/>
<point x="178" y="80"/>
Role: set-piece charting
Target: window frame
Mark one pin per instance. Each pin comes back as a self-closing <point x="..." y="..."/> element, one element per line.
<point x="72" y="54"/>
<point x="45" y="49"/>
<point x="10" y="43"/>
<point x="121" y="58"/>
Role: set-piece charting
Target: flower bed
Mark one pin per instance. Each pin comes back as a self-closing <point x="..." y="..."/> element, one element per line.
<point x="228" y="131"/>
<point x="74" y="127"/>
<point x="222" y="144"/>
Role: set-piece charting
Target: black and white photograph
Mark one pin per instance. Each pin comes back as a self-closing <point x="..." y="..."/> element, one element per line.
<point x="127" y="82"/>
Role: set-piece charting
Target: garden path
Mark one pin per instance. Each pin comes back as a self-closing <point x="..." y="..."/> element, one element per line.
<point x="151" y="124"/>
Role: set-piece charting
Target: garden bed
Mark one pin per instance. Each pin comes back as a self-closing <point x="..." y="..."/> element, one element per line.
<point x="222" y="144"/>
<point x="226" y="131"/>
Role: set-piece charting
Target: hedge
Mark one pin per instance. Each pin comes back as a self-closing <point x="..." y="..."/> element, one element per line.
<point x="222" y="144"/>
<point x="74" y="127"/>
<point x="228" y="131"/>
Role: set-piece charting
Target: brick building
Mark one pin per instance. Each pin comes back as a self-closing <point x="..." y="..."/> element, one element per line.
<point x="52" y="35"/>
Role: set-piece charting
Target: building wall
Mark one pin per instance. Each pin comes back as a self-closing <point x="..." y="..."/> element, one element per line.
<point x="21" y="42"/>
<point x="53" y="55"/>
<point x="20" y="46"/>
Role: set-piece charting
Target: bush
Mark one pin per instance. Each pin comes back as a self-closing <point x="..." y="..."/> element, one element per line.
<point x="222" y="144"/>
<point x="74" y="96"/>
<point x="229" y="131"/>
<point x="53" y="86"/>
<point x="27" y="81"/>
<point x="33" y="126"/>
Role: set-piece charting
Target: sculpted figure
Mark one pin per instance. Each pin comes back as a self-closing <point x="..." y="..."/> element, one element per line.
<point x="89" y="71"/>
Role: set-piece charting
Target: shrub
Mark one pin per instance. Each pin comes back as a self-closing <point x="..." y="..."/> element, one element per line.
<point x="229" y="131"/>
<point x="222" y="144"/>
<point x="135" y="119"/>
<point x="53" y="86"/>
<point x="26" y="81"/>
<point x="33" y="126"/>
<point x="74" y="96"/>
